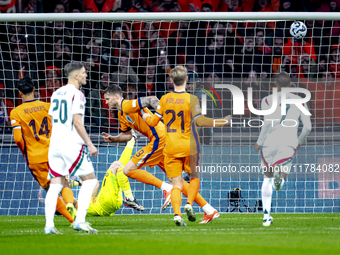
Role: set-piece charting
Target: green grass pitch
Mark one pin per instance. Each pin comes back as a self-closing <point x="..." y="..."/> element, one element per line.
<point x="156" y="234"/>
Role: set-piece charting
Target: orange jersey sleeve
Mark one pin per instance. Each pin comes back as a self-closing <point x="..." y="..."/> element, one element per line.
<point x="16" y="125"/>
<point x="35" y="124"/>
<point x="195" y="108"/>
<point x="155" y="118"/>
<point x="131" y="106"/>
<point x="135" y="121"/>
<point x="195" y="112"/>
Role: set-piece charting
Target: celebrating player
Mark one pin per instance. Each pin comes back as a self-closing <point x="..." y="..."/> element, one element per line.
<point x="67" y="154"/>
<point x="32" y="130"/>
<point x="279" y="143"/>
<point x="181" y="112"/>
<point x="110" y="199"/>
<point x="150" y="155"/>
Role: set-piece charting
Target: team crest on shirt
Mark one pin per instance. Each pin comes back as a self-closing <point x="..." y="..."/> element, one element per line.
<point x="198" y="108"/>
<point x="130" y="120"/>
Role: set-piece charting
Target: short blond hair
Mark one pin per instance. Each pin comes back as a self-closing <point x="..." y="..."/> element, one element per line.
<point x="178" y="75"/>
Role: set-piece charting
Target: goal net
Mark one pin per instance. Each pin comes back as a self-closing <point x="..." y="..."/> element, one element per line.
<point x="138" y="56"/>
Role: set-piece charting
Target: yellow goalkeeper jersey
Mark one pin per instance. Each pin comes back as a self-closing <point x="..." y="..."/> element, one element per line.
<point x="109" y="199"/>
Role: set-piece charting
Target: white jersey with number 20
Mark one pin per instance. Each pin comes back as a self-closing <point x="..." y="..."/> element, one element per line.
<point x="65" y="102"/>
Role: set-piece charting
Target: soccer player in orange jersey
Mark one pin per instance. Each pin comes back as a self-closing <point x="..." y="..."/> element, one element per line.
<point x="130" y="117"/>
<point x="181" y="112"/>
<point x="32" y="131"/>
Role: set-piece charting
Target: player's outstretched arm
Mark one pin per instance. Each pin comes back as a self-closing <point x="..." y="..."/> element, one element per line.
<point x="135" y="105"/>
<point x="150" y="101"/>
<point x="263" y="134"/>
<point x="153" y="120"/>
<point x="265" y="128"/>
<point x="17" y="132"/>
<point x="204" y="121"/>
<point x="18" y="139"/>
<point x="78" y="124"/>
<point x="122" y="137"/>
<point x="307" y="127"/>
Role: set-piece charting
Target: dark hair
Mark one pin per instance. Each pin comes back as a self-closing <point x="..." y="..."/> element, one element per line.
<point x="283" y="79"/>
<point x="72" y="66"/>
<point x="26" y="85"/>
<point x="59" y="3"/>
<point x="113" y="89"/>
<point x="207" y="5"/>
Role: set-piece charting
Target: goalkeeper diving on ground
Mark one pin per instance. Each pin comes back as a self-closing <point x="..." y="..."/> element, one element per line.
<point x="109" y="199"/>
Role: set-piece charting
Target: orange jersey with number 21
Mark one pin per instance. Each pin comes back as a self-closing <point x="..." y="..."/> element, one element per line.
<point x="179" y="110"/>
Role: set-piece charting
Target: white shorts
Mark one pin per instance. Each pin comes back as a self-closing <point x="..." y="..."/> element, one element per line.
<point x="69" y="162"/>
<point x="277" y="155"/>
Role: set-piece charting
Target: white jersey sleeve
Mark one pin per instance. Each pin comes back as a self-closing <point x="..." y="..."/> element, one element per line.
<point x="307" y="127"/>
<point x="78" y="106"/>
<point x="267" y="124"/>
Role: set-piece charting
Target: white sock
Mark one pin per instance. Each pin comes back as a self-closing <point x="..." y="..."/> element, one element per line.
<point x="84" y="199"/>
<point x="51" y="203"/>
<point x="166" y="186"/>
<point x="267" y="191"/>
<point x="208" y="209"/>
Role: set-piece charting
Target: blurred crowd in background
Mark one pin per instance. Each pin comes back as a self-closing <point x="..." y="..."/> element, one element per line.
<point x="138" y="55"/>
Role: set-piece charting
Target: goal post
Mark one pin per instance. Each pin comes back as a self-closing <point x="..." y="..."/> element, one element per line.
<point x="154" y="16"/>
<point x="137" y="50"/>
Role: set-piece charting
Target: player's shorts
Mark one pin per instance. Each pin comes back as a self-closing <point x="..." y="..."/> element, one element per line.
<point x="109" y="199"/>
<point x="175" y="166"/>
<point x="69" y="162"/>
<point x="277" y="155"/>
<point x="150" y="155"/>
<point x="40" y="173"/>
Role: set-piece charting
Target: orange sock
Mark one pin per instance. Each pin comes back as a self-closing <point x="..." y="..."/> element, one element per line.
<point x="145" y="177"/>
<point x="67" y="195"/>
<point x="61" y="207"/>
<point x="194" y="186"/>
<point x="199" y="199"/>
<point x="176" y="199"/>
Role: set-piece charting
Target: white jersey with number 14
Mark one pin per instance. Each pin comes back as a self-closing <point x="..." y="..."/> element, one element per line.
<point x="65" y="102"/>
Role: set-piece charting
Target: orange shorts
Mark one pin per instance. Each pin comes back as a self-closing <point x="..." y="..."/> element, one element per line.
<point x="150" y="155"/>
<point x="175" y="166"/>
<point x="40" y="173"/>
